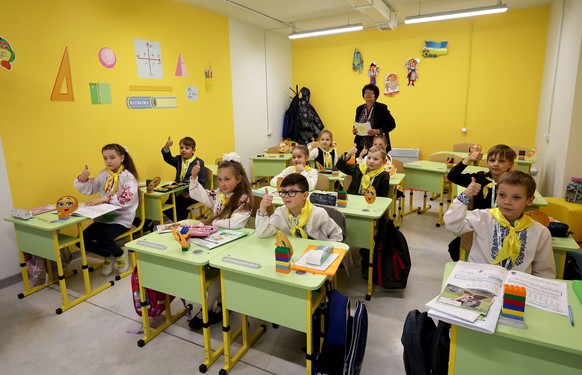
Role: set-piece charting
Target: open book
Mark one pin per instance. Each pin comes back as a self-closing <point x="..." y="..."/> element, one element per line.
<point x="220" y="237"/>
<point x="93" y="212"/>
<point x="544" y="294"/>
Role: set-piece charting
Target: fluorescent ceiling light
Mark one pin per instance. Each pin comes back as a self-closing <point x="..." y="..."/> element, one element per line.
<point x="329" y="31"/>
<point x="500" y="8"/>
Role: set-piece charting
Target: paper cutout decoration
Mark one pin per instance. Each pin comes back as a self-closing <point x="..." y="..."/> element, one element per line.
<point x="65" y="206"/>
<point x="100" y="93"/>
<point x="282" y="240"/>
<point x="7" y="55"/>
<point x="107" y="57"/>
<point x="370" y="194"/>
<point x="152" y="184"/>
<point x="148" y="57"/>
<point x="63" y="76"/>
<point x="412" y="66"/>
<point x="388" y="167"/>
<point x="147" y="102"/>
<point x="284" y="146"/>
<point x="357" y="62"/>
<point x="532" y="152"/>
<point x="208" y="79"/>
<point x="181" y="67"/>
<point x="192" y="93"/>
<point x="434" y="49"/>
<point x="373" y="72"/>
<point x="391" y="86"/>
<point x="476" y="148"/>
<point x="182" y="237"/>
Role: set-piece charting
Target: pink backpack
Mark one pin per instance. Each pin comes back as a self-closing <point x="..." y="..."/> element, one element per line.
<point x="156" y="300"/>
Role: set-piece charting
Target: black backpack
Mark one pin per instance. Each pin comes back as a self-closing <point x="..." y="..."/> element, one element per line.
<point x="426" y="346"/>
<point x="344" y="335"/>
<point x="391" y="257"/>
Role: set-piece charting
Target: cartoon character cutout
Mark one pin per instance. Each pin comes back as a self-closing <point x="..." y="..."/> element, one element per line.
<point x="373" y="72"/>
<point x="182" y="237"/>
<point x="66" y="205"/>
<point x="391" y="87"/>
<point x="370" y="194"/>
<point x="152" y="184"/>
<point x="7" y="55"/>
<point x="476" y="148"/>
<point x="412" y="66"/>
<point x="284" y="146"/>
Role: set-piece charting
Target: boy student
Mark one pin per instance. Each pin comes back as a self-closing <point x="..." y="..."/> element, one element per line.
<point x="298" y="217"/>
<point x="184" y="164"/>
<point x="500" y="159"/>
<point x="505" y="235"/>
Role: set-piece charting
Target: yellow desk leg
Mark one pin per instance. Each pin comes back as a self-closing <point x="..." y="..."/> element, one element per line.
<point x="371" y="285"/>
<point x="209" y="356"/>
<point x="453" y="349"/>
<point x="229" y="338"/>
<point x="441" y="204"/>
<point x="418" y="210"/>
<point x="560" y="264"/>
<point x="175" y="217"/>
<point x="148" y="333"/>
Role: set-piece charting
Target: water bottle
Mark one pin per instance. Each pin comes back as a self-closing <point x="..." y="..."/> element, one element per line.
<point x="137" y="300"/>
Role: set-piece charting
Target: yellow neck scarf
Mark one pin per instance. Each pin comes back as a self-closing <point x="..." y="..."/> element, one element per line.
<point x="367" y="177"/>
<point x="185" y="165"/>
<point x="511" y="244"/>
<point x="113" y="178"/>
<point x="223" y="198"/>
<point x="298" y="229"/>
<point x="488" y="186"/>
<point x="327" y="161"/>
<point x="307" y="167"/>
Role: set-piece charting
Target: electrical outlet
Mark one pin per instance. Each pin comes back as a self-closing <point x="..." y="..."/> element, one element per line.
<point x="464" y="130"/>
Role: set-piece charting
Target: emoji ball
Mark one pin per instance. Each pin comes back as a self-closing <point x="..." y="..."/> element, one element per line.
<point x="370" y="194"/>
<point x="66" y="205"/>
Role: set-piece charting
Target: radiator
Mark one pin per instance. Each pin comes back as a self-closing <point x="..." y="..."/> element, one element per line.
<point x="405" y="155"/>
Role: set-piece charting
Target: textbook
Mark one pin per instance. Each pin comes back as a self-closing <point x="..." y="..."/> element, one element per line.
<point x="93" y="212"/>
<point x="545" y="294"/>
<point x="220" y="237"/>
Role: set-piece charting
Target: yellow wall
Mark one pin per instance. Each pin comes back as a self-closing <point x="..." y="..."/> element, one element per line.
<point x="498" y="60"/>
<point x="46" y="143"/>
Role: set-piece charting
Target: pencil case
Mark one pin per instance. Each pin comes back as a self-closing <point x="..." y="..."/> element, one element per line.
<point x="559" y="229"/>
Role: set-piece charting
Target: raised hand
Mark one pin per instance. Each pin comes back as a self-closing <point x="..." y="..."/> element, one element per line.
<point x="473" y="189"/>
<point x="266" y="202"/>
<point x="474" y="157"/>
<point x="84" y="176"/>
<point x="353" y="151"/>
<point x="195" y="170"/>
<point x="363" y="153"/>
<point x="169" y="143"/>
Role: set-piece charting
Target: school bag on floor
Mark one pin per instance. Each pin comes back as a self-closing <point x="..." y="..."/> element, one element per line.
<point x="345" y="337"/>
<point x="426" y="345"/>
<point x="391" y="257"/>
<point x="155" y="300"/>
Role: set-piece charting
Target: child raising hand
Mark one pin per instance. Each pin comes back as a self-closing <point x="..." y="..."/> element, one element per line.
<point x="300" y="165"/>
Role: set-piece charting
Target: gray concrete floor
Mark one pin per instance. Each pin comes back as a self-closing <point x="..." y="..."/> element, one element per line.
<point x="92" y="338"/>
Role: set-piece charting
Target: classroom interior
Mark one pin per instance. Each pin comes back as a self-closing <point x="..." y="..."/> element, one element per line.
<point x="513" y="78"/>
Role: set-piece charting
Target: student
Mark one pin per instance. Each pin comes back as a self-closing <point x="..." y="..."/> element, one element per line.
<point x="298" y="217"/>
<point x="231" y="205"/>
<point x="324" y="154"/>
<point x="505" y="235"/>
<point x="116" y="185"/>
<point x="379" y="140"/>
<point x="500" y="159"/>
<point x="300" y="165"/>
<point x="183" y="164"/>
<point x="364" y="175"/>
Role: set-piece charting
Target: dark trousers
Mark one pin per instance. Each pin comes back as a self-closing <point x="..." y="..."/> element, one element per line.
<point x="99" y="238"/>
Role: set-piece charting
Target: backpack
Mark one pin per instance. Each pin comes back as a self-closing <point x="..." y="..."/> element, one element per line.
<point x="391" y="257"/>
<point x="426" y="345"/>
<point x="345" y="336"/>
<point x="156" y="301"/>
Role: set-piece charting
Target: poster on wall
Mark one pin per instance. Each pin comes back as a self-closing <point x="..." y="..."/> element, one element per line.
<point x="412" y="66"/>
<point x="357" y="62"/>
<point x="100" y="93"/>
<point x="181" y="67"/>
<point x="192" y="93"/>
<point x="434" y="49"/>
<point x="63" y="88"/>
<point x="391" y="87"/>
<point x="148" y="57"/>
<point x="107" y="57"/>
<point x="7" y="55"/>
<point x="373" y="71"/>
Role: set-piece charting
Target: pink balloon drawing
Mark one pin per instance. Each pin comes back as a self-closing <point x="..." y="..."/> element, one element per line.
<point x="107" y="57"/>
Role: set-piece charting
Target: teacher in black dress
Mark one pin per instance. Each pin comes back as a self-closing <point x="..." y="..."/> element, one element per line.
<point x="377" y="114"/>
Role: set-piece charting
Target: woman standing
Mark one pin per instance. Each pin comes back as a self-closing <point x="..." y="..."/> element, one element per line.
<point x="377" y="114"/>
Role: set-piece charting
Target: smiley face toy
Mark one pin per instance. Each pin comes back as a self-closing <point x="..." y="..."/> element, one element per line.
<point x="66" y="205"/>
<point x="370" y="194"/>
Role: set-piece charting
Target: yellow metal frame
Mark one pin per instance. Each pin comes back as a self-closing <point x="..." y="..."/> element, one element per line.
<point x="449" y="193"/>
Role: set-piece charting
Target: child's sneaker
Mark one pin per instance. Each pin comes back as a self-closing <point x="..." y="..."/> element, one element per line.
<point x="108" y="265"/>
<point x="122" y="262"/>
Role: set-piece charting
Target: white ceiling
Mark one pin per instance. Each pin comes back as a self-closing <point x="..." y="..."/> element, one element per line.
<point x="285" y="15"/>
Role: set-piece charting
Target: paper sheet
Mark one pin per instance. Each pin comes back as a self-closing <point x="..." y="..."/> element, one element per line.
<point x="362" y="127"/>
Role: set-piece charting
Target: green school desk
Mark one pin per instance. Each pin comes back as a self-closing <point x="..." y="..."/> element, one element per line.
<point x="523" y="165"/>
<point x="42" y="236"/>
<point x="183" y="274"/>
<point x="155" y="203"/>
<point x="269" y="165"/>
<point x="550" y="345"/>
<point x="361" y="219"/>
<point x="427" y="176"/>
<point x="562" y="246"/>
<point x="285" y="299"/>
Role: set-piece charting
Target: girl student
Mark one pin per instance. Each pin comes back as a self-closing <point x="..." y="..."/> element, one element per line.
<point x="300" y="165"/>
<point x="324" y="154"/>
<point x="116" y="185"/>
<point x="231" y="204"/>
